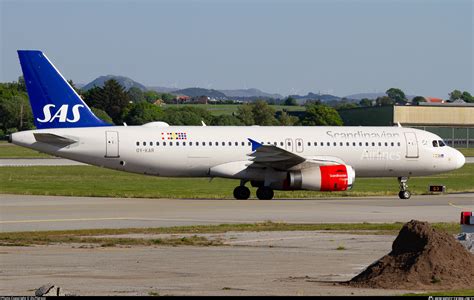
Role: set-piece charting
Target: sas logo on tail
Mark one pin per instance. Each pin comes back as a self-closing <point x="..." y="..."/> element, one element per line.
<point x="61" y="113"/>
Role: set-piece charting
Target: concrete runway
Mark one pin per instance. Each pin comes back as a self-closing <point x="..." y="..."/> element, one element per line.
<point x="25" y="213"/>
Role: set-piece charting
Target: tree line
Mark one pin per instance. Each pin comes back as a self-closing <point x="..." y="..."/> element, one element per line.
<point x="397" y="96"/>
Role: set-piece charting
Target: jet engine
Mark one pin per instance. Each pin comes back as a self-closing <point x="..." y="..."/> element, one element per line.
<point x="322" y="178"/>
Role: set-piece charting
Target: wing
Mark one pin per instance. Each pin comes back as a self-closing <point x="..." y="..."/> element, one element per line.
<point x="280" y="159"/>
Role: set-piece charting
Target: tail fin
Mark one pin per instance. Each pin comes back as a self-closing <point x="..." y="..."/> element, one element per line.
<point x="54" y="102"/>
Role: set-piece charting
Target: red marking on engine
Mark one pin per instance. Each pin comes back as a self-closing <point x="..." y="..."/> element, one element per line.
<point x="334" y="178"/>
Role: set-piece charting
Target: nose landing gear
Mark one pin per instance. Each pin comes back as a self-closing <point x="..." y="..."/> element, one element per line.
<point x="404" y="192"/>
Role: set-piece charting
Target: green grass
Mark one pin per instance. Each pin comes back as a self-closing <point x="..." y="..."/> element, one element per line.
<point x="467" y="151"/>
<point x="468" y="292"/>
<point x="95" y="181"/>
<point x="228" y="109"/>
<point x="12" y="151"/>
<point x="91" y="235"/>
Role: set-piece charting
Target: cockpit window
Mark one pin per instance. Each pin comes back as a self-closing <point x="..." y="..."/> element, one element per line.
<point x="441" y="143"/>
<point x="435" y="143"/>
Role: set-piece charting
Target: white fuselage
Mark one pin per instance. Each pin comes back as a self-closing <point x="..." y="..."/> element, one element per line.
<point x="190" y="151"/>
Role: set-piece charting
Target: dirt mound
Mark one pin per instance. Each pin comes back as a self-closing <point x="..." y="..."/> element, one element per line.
<point x="421" y="258"/>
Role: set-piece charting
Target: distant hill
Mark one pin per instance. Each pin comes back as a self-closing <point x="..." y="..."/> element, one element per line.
<point x="313" y="96"/>
<point x="248" y="93"/>
<point x="161" y="89"/>
<point x="126" y="82"/>
<point x="196" y="92"/>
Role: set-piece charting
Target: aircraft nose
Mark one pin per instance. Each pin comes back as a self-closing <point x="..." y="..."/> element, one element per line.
<point x="460" y="160"/>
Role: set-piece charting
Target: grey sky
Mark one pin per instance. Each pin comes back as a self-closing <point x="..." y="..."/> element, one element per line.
<point x="333" y="46"/>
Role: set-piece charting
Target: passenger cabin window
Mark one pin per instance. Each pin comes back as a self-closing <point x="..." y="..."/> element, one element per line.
<point x="138" y="143"/>
<point x="435" y="143"/>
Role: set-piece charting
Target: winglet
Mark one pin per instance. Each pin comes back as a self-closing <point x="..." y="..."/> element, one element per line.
<point x="255" y="144"/>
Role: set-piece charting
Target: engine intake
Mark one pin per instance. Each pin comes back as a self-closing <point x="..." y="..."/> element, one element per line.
<point x="323" y="178"/>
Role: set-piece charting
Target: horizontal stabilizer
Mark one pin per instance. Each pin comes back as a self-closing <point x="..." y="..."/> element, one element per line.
<point x="54" y="139"/>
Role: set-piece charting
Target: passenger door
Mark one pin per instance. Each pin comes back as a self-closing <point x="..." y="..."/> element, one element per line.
<point x="111" y="144"/>
<point x="411" y="145"/>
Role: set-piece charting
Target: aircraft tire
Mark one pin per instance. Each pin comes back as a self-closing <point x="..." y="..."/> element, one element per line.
<point x="404" y="194"/>
<point x="265" y="193"/>
<point x="241" y="192"/>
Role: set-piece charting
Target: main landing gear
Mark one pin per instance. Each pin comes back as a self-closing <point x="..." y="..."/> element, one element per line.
<point x="243" y="193"/>
<point x="404" y="192"/>
<point x="265" y="193"/>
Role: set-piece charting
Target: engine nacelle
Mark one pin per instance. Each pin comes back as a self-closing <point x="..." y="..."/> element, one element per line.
<point x="323" y="178"/>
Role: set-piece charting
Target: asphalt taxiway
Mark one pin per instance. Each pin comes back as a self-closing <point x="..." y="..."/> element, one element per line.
<point x="26" y="212"/>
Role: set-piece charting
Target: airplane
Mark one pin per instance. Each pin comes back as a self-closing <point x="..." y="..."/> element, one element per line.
<point x="315" y="158"/>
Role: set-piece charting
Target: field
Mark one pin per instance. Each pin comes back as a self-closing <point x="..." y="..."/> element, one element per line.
<point x="95" y="181"/>
<point x="13" y="151"/>
<point x="112" y="237"/>
<point x="467" y="151"/>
